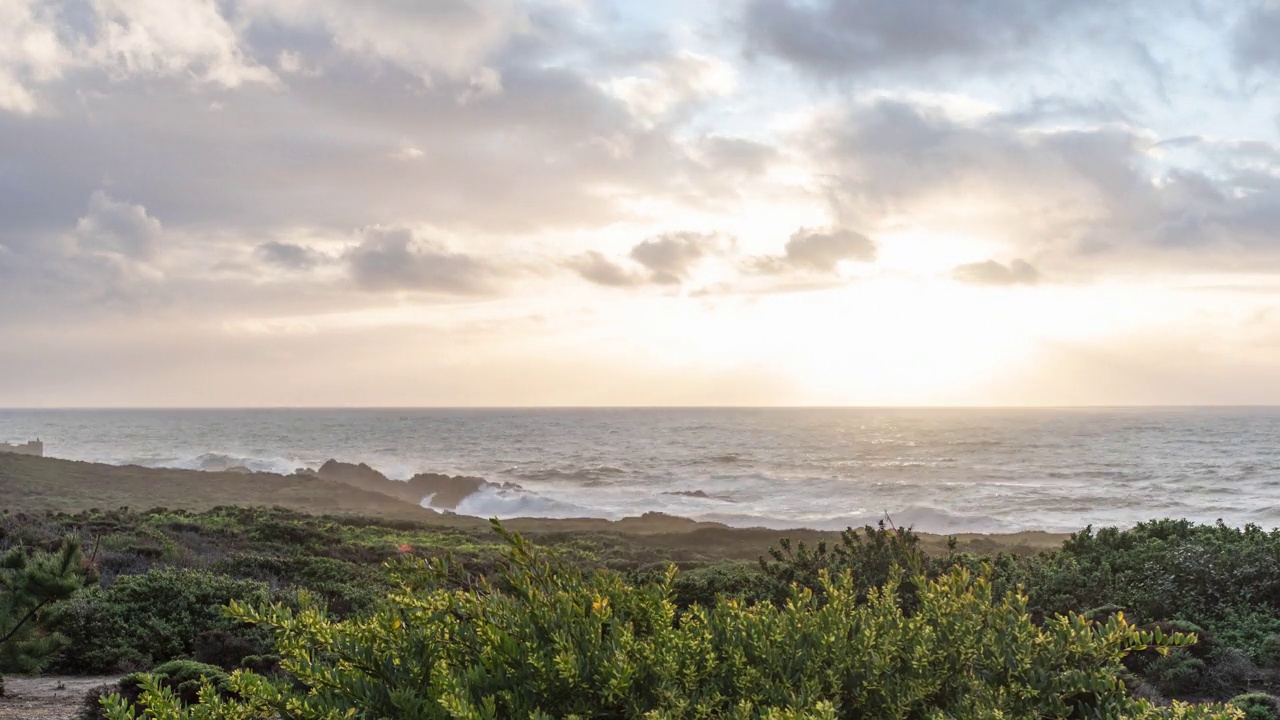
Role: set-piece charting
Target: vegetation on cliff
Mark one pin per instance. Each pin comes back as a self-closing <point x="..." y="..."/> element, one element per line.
<point x="309" y="580"/>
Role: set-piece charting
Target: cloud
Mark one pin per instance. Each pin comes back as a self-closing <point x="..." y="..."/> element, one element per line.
<point x="1255" y="36"/>
<point x="991" y="272"/>
<point x="442" y="39"/>
<point x="737" y="155"/>
<point x="30" y="52"/>
<point x="817" y="251"/>
<point x="107" y="261"/>
<point x="118" y="227"/>
<point x="670" y="257"/>
<point x="662" y="260"/>
<point x="173" y="38"/>
<point x="596" y="268"/>
<point x="391" y="259"/>
<point x="1078" y="194"/>
<point x="848" y="37"/>
<point x="288" y="255"/>
<point x="674" y="83"/>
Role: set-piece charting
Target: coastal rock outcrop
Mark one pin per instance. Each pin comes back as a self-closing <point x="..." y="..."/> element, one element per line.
<point x="442" y="492"/>
<point x="360" y="475"/>
<point x="700" y="494"/>
<point x="446" y="492"/>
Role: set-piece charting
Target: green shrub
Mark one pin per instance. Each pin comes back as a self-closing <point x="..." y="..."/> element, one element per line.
<point x="1268" y="654"/>
<point x="558" y="642"/>
<point x="1258" y="706"/>
<point x="141" y="620"/>
<point x="30" y="584"/>
<point x="1248" y="630"/>
<point x="708" y="585"/>
<point x="231" y="649"/>
<point x="869" y="557"/>
<point x="346" y="587"/>
<point x="182" y="678"/>
<point x="1160" y="570"/>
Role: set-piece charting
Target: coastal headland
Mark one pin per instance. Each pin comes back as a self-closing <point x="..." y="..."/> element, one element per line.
<point x="34" y="484"/>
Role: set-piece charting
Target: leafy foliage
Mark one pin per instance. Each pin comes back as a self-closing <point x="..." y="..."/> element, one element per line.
<point x="1163" y="570"/>
<point x="143" y="619"/>
<point x="560" y="642"/>
<point x="1258" y="706"/>
<point x="29" y="585"/>
<point x="183" y="679"/>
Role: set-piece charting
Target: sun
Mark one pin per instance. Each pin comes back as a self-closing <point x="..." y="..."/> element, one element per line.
<point x="901" y="342"/>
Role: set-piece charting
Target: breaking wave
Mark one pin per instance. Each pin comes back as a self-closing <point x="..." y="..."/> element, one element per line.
<point x="504" y="503"/>
<point x="219" y="462"/>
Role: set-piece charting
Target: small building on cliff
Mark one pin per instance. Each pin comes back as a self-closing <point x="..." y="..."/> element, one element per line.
<point x="32" y="447"/>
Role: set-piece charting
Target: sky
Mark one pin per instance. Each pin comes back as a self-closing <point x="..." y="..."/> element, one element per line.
<point x="676" y="202"/>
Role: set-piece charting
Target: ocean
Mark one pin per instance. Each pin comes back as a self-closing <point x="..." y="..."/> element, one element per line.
<point x="938" y="470"/>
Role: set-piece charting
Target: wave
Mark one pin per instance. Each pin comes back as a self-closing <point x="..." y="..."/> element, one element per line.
<point x="505" y="503"/>
<point x="221" y="462"/>
<point x="597" y="474"/>
<point x="920" y="517"/>
<point x="731" y="458"/>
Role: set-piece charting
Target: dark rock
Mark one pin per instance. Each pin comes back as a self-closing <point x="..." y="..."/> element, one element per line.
<point x="448" y="491"/>
<point x="698" y="494"/>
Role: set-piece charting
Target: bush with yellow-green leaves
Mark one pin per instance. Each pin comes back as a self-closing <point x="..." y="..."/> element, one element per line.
<point x="545" y="640"/>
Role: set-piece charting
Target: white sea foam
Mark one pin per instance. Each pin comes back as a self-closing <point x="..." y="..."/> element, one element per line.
<point x="504" y="503"/>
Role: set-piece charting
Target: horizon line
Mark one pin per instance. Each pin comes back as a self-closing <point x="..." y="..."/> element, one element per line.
<point x="1153" y="406"/>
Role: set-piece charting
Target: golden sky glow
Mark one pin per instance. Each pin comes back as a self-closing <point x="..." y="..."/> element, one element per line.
<point x="545" y="202"/>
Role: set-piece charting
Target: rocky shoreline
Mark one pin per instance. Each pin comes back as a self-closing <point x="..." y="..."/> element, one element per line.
<point x="33" y="484"/>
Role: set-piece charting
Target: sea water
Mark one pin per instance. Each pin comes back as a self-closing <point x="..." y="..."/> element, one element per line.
<point x="938" y="470"/>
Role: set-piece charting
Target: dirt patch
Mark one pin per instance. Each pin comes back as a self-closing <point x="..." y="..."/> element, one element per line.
<point x="46" y="697"/>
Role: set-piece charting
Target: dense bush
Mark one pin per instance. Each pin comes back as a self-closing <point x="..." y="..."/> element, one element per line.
<point x="182" y="678"/>
<point x="709" y="585"/>
<point x="144" y="619"/>
<point x="1164" y="574"/>
<point x="347" y="587"/>
<point x="561" y="643"/>
<point x="1163" y="570"/>
<point x="30" y="584"/>
<point x="1258" y="706"/>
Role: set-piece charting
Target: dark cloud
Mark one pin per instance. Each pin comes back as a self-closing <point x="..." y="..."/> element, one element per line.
<point x="844" y="37"/>
<point x="395" y="259"/>
<point x="818" y="251"/>
<point x="288" y="255"/>
<point x="1255" y="37"/>
<point x="991" y="272"/>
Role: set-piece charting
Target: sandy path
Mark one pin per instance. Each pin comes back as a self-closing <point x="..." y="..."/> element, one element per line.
<point x="46" y="697"/>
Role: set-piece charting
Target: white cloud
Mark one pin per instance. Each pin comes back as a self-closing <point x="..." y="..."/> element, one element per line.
<point x="674" y="83"/>
<point x="119" y="228"/>
<point x="30" y="52"/>
<point x="448" y="38"/>
<point x="173" y="38"/>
